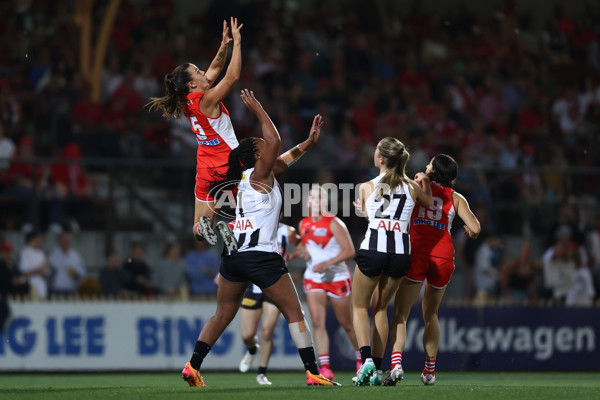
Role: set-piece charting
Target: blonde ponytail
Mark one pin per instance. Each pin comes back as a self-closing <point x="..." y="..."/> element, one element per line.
<point x="396" y="156"/>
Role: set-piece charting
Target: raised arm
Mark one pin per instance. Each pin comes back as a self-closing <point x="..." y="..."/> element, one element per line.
<point x="288" y="158"/>
<point x="218" y="62"/>
<point x="472" y="225"/>
<point x="216" y="94"/>
<point x="263" y="169"/>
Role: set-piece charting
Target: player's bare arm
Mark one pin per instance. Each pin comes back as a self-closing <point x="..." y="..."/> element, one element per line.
<point x="217" y="64"/>
<point x="288" y="158"/>
<point x="341" y="234"/>
<point x="213" y="96"/>
<point x="472" y="225"/>
<point x="421" y="188"/>
<point x="364" y="191"/>
<point x="263" y="169"/>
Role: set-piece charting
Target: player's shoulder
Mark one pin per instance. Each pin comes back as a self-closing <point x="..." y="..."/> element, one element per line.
<point x="366" y="187"/>
<point x="306" y="220"/>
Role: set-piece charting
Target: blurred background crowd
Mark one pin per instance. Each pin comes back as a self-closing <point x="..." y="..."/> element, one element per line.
<point x="510" y="89"/>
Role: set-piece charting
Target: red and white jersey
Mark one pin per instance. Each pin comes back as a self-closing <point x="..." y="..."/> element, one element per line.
<point x="321" y="245"/>
<point x="430" y="227"/>
<point x="215" y="136"/>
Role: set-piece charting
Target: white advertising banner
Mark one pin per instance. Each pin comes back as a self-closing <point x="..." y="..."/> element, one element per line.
<point x="124" y="336"/>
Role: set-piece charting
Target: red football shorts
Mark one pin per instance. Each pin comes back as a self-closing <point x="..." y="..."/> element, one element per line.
<point x="338" y="289"/>
<point x="436" y="270"/>
<point x="204" y="175"/>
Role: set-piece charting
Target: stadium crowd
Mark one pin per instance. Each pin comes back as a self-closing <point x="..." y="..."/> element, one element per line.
<point x="515" y="98"/>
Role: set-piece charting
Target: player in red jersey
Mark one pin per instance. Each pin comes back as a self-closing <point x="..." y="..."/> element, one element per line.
<point x="190" y="91"/>
<point x="328" y="245"/>
<point x="432" y="258"/>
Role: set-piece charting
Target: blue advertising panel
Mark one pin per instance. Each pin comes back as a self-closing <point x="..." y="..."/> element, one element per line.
<point x="494" y="339"/>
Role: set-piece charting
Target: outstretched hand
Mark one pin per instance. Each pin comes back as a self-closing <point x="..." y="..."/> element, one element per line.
<point x="315" y="130"/>
<point x="251" y="102"/>
<point x="226" y="39"/>
<point x="235" y="30"/>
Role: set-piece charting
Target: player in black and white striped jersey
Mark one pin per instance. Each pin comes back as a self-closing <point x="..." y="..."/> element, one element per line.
<point x="256" y="259"/>
<point x="256" y="307"/>
<point x="384" y="254"/>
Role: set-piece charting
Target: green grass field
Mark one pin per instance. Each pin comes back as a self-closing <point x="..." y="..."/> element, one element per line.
<point x="290" y="385"/>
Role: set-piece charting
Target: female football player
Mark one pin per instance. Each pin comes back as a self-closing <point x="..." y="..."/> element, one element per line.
<point x="328" y="245"/>
<point x="384" y="254"/>
<point x="190" y="91"/>
<point x="432" y="259"/>
<point x="254" y="258"/>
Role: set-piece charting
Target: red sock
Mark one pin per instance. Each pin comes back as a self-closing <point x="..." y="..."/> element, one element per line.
<point x="396" y="359"/>
<point x="429" y="367"/>
<point x="324" y="361"/>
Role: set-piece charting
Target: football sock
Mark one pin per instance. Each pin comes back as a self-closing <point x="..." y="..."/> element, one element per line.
<point x="252" y="350"/>
<point x="365" y="352"/>
<point x="396" y="359"/>
<point x="307" y="355"/>
<point x="262" y="370"/>
<point x="429" y="367"/>
<point x="377" y="361"/>
<point x="200" y="351"/>
<point x="324" y="360"/>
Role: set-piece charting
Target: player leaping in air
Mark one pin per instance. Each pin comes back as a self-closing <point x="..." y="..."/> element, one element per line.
<point x="255" y="258"/>
<point x="190" y="91"/>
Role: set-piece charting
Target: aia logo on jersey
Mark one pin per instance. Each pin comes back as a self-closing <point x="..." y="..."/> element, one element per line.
<point x="244" y="224"/>
<point x="389" y="225"/>
<point x="320" y="232"/>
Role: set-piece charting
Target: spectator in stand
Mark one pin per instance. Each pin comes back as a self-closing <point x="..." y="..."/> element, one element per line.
<point x="113" y="278"/>
<point x="571" y="215"/>
<point x="561" y="262"/>
<point x="170" y="271"/>
<point x="34" y="264"/>
<point x="71" y="183"/>
<point x="517" y="277"/>
<point x="582" y="291"/>
<point x="67" y="266"/>
<point x="593" y="247"/>
<point x="202" y="267"/>
<point x="7" y="151"/>
<point x="139" y="273"/>
<point x="487" y="262"/>
<point x="27" y="179"/>
<point x="11" y="281"/>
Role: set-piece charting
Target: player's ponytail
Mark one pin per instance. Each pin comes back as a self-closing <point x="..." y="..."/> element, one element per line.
<point x="445" y="170"/>
<point x="176" y="91"/>
<point x="396" y="156"/>
<point x="240" y="159"/>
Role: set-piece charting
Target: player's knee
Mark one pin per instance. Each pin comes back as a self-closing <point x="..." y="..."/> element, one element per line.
<point x="266" y="334"/>
<point x="247" y="337"/>
<point x="318" y="324"/>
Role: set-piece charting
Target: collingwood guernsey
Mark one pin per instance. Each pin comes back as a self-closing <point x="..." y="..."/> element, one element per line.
<point x="389" y="219"/>
<point x="257" y="216"/>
